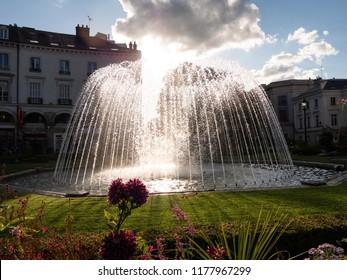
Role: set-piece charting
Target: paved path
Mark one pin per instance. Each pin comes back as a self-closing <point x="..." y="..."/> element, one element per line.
<point x="342" y="177"/>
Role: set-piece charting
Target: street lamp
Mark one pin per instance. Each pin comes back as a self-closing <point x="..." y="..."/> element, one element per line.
<point x="304" y="107"/>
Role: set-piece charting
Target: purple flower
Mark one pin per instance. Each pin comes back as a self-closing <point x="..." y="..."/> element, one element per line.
<point x="117" y="192"/>
<point x="133" y="191"/>
<point x="137" y="192"/>
<point x="119" y="246"/>
<point x="325" y="251"/>
<point x="339" y="250"/>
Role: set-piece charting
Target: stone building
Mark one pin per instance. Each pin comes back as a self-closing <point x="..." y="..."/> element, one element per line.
<point x="41" y="75"/>
<point x="323" y="113"/>
<point x="281" y="95"/>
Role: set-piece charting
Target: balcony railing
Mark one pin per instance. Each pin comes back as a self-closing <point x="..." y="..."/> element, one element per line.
<point x="35" y="100"/>
<point x="62" y="101"/>
<point x="64" y="72"/>
<point x="37" y="70"/>
<point x="4" y="99"/>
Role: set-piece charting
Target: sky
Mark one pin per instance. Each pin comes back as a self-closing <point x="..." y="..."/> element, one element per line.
<point x="273" y="40"/>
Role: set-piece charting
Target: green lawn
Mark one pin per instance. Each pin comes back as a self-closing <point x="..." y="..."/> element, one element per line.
<point x="313" y="206"/>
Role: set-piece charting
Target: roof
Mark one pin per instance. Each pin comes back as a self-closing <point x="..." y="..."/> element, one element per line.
<point x="31" y="36"/>
<point x="335" y="84"/>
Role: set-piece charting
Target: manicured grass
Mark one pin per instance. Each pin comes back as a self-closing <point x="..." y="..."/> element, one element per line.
<point x="314" y="207"/>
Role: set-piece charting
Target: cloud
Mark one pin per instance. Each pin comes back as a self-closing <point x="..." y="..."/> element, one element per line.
<point x="202" y="26"/>
<point x="59" y="3"/>
<point x="317" y="51"/>
<point x="288" y="65"/>
<point x="302" y="36"/>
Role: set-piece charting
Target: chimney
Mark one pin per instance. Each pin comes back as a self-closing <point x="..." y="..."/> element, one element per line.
<point x="82" y="31"/>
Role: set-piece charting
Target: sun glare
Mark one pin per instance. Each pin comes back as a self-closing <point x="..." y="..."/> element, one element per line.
<point x="160" y="55"/>
<point x="157" y="60"/>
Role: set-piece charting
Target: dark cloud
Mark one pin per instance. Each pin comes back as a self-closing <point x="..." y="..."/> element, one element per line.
<point x="202" y="25"/>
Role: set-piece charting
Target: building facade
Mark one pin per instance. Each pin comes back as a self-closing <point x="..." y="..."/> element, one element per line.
<point x="323" y="111"/>
<point x="281" y="95"/>
<point x="41" y="75"/>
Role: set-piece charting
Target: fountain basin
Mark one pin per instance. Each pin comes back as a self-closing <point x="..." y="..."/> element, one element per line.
<point x="40" y="181"/>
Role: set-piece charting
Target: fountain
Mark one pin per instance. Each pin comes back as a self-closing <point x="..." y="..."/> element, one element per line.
<point x="211" y="128"/>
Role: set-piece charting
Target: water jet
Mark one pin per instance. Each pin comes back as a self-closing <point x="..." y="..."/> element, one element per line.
<point x="211" y="128"/>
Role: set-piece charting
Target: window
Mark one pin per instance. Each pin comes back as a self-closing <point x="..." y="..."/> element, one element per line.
<point x="282" y="100"/>
<point x="333" y="119"/>
<point x="91" y="67"/>
<point x="64" y="95"/>
<point x="332" y="101"/>
<point x="64" y="67"/>
<point x="64" y="91"/>
<point x="4" y="61"/>
<point x="317" y="121"/>
<point x="35" y="93"/>
<point x="300" y="123"/>
<point x="316" y="103"/>
<point x="3" y="33"/>
<point x="283" y="115"/>
<point x="4" y="91"/>
<point x="35" y="64"/>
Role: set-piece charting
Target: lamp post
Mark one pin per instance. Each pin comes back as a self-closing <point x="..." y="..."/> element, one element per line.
<point x="304" y="107"/>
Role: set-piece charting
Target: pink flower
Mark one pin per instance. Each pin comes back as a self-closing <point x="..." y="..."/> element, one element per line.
<point x="11" y="248"/>
<point x="179" y="214"/>
<point x="217" y="253"/>
<point x="148" y="254"/>
<point x="44" y="229"/>
<point x="160" y="243"/>
<point x="17" y="232"/>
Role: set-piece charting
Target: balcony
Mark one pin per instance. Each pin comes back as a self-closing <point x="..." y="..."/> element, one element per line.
<point x="37" y="70"/>
<point x="35" y="100"/>
<point x="4" y="99"/>
<point x="63" y="72"/>
<point x="64" y="101"/>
